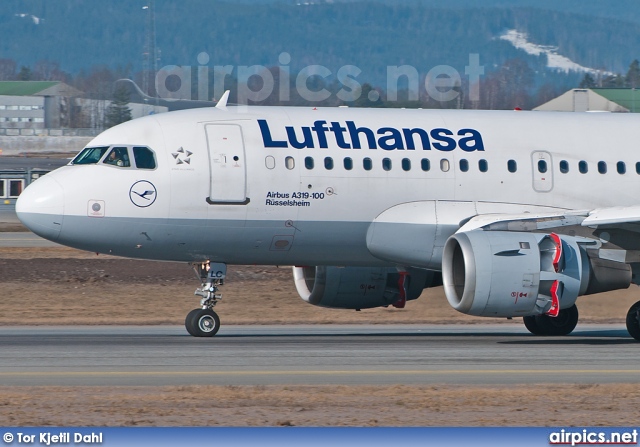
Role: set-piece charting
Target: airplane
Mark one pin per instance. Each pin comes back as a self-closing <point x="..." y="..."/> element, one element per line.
<point x="516" y="213"/>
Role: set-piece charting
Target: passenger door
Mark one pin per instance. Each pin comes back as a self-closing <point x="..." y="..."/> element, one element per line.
<point x="227" y="167"/>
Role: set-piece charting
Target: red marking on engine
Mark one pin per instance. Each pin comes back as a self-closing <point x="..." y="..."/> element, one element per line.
<point x="558" y="256"/>
<point x="555" y="300"/>
<point x="402" y="287"/>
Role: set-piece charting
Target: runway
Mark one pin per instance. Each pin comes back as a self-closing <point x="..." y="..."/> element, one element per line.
<point x="345" y="355"/>
<point x="8" y="215"/>
<point x="24" y="240"/>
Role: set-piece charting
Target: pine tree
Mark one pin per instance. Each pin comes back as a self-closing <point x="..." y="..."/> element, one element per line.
<point x="633" y="75"/>
<point x="25" y="74"/>
<point x="613" y="81"/>
<point x="118" y="111"/>
<point x="588" y="81"/>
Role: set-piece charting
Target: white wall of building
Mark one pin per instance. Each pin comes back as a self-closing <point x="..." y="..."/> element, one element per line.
<point x="22" y="112"/>
<point x="581" y="100"/>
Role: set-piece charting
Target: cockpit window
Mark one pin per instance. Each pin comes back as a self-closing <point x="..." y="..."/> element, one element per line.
<point x="89" y="156"/>
<point x="118" y="157"/>
<point x="144" y="158"/>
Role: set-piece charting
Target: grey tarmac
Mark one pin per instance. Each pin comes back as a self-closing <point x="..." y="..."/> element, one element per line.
<point x="24" y="240"/>
<point x="315" y="355"/>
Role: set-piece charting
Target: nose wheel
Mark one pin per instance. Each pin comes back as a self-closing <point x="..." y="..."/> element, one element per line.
<point x="204" y="322"/>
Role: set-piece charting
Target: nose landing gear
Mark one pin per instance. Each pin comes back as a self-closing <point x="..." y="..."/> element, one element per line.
<point x="204" y="322"/>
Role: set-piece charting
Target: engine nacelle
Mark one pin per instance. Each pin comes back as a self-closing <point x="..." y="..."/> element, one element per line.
<point x="358" y="287"/>
<point x="508" y="274"/>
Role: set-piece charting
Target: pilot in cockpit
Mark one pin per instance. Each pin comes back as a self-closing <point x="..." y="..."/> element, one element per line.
<point x="118" y="157"/>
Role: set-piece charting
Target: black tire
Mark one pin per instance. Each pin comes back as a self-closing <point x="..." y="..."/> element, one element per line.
<point x="203" y="323"/>
<point x="563" y="324"/>
<point x="187" y="321"/>
<point x="532" y="325"/>
<point x="633" y="321"/>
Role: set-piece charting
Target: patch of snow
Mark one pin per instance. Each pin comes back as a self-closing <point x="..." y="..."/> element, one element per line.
<point x="555" y="61"/>
<point x="36" y="20"/>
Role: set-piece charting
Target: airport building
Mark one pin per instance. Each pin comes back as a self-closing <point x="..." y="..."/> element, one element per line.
<point x="35" y="104"/>
<point x="29" y="106"/>
<point x="618" y="100"/>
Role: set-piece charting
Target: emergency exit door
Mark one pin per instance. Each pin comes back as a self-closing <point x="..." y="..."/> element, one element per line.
<point x="226" y="165"/>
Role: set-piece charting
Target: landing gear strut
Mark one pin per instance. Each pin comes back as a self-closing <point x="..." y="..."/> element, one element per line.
<point x="563" y="324"/>
<point x="204" y="322"/>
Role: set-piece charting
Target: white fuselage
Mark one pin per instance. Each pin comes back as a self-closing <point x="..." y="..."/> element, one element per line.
<point x="229" y="185"/>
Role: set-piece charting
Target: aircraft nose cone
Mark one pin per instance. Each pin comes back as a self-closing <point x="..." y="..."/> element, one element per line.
<point x="40" y="207"/>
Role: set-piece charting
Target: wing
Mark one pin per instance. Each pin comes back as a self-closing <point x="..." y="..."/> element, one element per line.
<point x="615" y="230"/>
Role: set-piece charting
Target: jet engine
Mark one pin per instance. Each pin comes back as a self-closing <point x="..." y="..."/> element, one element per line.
<point x="508" y="274"/>
<point x="360" y="287"/>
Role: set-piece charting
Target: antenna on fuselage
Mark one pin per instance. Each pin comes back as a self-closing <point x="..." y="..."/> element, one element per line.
<point x="222" y="104"/>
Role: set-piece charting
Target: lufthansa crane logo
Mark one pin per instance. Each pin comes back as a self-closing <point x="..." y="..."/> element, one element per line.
<point x="143" y="194"/>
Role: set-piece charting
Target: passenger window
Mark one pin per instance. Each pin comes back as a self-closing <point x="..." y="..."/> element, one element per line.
<point x="367" y="164"/>
<point x="621" y="167"/>
<point x="90" y="156"/>
<point x="269" y="161"/>
<point x="464" y="165"/>
<point x="542" y="166"/>
<point x="425" y="164"/>
<point x="406" y="164"/>
<point x="602" y="167"/>
<point x="348" y="163"/>
<point x="512" y="166"/>
<point x="564" y="166"/>
<point x="483" y="165"/>
<point x="386" y="164"/>
<point x="638" y="167"/>
<point x="289" y="163"/>
<point x="308" y="162"/>
<point x="444" y="165"/>
<point x="328" y="163"/>
<point x="118" y="157"/>
<point x="583" y="167"/>
<point x="144" y="158"/>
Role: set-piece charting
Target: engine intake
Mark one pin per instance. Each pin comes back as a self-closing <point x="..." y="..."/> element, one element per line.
<point x="507" y="274"/>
